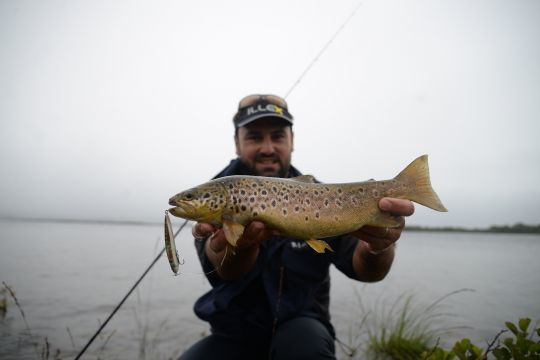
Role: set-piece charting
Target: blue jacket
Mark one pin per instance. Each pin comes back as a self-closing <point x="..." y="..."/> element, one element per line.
<point x="250" y="307"/>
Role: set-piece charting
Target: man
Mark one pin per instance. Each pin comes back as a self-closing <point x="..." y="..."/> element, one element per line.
<point x="270" y="294"/>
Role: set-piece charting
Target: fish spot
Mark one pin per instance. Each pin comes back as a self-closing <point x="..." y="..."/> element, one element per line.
<point x="206" y="195"/>
<point x="231" y="186"/>
<point x="308" y="202"/>
<point x="263" y="206"/>
<point x="375" y="192"/>
<point x="317" y="214"/>
<point x="336" y="218"/>
<point x="339" y="191"/>
<point x="274" y="189"/>
<point x="264" y="192"/>
<point x="254" y="185"/>
<point x="361" y="190"/>
<point x="339" y="203"/>
<point x="243" y="207"/>
<point x="236" y="209"/>
<point x="306" y="218"/>
<point x="297" y="191"/>
<point x="285" y="212"/>
<point x="326" y="188"/>
<point x="234" y="200"/>
<point x="286" y="197"/>
<point x="326" y="202"/>
<point x="242" y="192"/>
<point x="296" y="208"/>
<point x="254" y="214"/>
<point x="274" y="203"/>
<point x="252" y="199"/>
<point x="316" y="192"/>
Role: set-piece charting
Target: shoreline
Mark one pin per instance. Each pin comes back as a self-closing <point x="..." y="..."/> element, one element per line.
<point x="518" y="228"/>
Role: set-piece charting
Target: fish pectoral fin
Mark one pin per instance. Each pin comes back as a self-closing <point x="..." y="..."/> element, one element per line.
<point x="384" y="220"/>
<point x="304" y="178"/>
<point x="233" y="231"/>
<point x="319" y="245"/>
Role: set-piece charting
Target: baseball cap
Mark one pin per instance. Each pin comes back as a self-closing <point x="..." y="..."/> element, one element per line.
<point x="253" y="107"/>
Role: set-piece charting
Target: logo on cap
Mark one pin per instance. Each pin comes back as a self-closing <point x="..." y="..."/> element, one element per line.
<point x="268" y="107"/>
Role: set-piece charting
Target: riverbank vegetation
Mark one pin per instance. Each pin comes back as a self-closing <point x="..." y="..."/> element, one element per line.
<point x="523" y="343"/>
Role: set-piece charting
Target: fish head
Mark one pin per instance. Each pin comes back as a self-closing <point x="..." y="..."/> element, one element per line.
<point x="204" y="203"/>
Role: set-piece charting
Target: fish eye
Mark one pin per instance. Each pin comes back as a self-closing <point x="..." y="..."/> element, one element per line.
<point x="189" y="196"/>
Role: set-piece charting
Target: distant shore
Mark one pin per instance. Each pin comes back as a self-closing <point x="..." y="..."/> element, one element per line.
<point x="518" y="228"/>
<point x="79" y="221"/>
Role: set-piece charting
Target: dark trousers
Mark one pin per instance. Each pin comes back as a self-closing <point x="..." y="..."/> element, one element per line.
<point x="299" y="338"/>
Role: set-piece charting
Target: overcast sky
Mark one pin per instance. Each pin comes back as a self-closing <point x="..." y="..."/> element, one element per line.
<point x="108" y="108"/>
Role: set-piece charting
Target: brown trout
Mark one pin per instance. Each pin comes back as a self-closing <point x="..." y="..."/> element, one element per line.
<point x="301" y="208"/>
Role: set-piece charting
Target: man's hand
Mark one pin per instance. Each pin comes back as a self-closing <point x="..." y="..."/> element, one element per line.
<point x="374" y="255"/>
<point x="254" y="234"/>
<point x="380" y="238"/>
<point x="245" y="253"/>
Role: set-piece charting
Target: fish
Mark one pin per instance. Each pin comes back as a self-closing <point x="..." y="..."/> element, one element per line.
<point x="301" y="207"/>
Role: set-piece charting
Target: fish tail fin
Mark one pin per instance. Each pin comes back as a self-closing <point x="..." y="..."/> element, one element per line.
<point x="417" y="173"/>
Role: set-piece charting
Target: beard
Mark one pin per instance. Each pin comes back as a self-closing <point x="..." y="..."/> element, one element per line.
<point x="256" y="168"/>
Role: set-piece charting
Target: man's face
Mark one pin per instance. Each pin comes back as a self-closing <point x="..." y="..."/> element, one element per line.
<point x="265" y="146"/>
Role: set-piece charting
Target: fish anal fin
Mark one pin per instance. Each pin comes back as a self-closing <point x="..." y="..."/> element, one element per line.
<point x="319" y="245"/>
<point x="233" y="231"/>
<point x="304" y="178"/>
<point x="384" y="220"/>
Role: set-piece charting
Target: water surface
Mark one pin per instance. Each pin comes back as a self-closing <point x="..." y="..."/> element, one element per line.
<point x="69" y="277"/>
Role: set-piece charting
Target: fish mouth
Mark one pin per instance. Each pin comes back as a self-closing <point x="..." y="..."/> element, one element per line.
<point x="181" y="209"/>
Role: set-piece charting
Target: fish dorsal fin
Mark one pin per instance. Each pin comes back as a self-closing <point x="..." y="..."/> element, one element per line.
<point x="304" y="178"/>
<point x="233" y="231"/>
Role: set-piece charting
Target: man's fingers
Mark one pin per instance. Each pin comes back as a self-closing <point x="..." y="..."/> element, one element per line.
<point x="202" y="230"/>
<point x="254" y="234"/>
<point x="217" y="241"/>
<point x="399" y="207"/>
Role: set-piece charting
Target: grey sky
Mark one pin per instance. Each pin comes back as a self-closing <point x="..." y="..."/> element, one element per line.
<point x="108" y="108"/>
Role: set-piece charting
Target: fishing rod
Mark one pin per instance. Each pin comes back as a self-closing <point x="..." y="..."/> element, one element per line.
<point x="127" y="295"/>
<point x="323" y="50"/>
<point x="295" y="84"/>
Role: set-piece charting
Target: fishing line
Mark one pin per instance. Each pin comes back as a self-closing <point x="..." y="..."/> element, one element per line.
<point x="323" y="50"/>
<point x="211" y="271"/>
<point x="127" y="295"/>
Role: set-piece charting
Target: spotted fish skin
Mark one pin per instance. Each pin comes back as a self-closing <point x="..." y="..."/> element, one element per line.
<point x="299" y="207"/>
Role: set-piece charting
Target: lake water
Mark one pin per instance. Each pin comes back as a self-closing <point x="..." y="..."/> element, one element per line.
<point x="69" y="277"/>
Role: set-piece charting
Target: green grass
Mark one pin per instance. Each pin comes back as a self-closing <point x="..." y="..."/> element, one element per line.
<point x="403" y="330"/>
